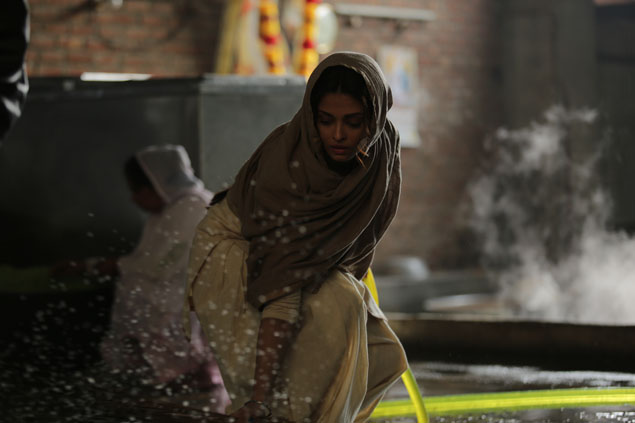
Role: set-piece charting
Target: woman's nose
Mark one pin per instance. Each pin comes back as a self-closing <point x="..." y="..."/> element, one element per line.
<point x="339" y="131"/>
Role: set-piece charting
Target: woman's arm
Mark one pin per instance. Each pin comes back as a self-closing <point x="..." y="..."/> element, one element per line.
<point x="274" y="339"/>
<point x="276" y="332"/>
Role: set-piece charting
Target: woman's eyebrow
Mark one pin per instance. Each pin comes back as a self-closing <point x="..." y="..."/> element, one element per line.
<point x="350" y="115"/>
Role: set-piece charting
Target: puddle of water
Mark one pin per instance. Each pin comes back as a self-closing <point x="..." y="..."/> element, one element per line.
<point x="591" y="415"/>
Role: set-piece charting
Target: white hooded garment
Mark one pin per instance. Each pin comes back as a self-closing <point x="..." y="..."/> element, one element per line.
<point x="148" y="296"/>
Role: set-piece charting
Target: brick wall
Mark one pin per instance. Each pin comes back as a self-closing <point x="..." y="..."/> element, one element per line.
<point x="161" y="37"/>
<point x="459" y="88"/>
<point x="460" y="85"/>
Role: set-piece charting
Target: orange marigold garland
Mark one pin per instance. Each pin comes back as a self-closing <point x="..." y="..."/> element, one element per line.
<point x="309" y="56"/>
<point x="271" y="36"/>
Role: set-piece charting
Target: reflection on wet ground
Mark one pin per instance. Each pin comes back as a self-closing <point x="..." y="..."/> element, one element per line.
<point x="543" y="416"/>
<point x="55" y="395"/>
<point x="448" y="378"/>
<point x="48" y="373"/>
<point x="437" y="378"/>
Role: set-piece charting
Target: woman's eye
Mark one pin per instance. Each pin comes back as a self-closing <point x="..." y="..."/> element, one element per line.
<point x="324" y="121"/>
<point x="355" y="124"/>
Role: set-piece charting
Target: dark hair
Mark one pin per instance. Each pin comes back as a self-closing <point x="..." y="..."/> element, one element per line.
<point x="340" y="79"/>
<point x="219" y="196"/>
<point x="135" y="175"/>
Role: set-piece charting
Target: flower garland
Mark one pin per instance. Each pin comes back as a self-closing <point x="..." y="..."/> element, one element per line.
<point x="271" y="36"/>
<point x="309" y="56"/>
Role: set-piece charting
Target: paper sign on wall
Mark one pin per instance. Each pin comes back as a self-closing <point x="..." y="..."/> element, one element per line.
<point x="400" y="67"/>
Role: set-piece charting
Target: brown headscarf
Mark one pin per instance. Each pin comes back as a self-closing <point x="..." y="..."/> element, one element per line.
<point x="303" y="219"/>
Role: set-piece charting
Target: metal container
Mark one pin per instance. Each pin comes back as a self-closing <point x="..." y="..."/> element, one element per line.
<point x="62" y="190"/>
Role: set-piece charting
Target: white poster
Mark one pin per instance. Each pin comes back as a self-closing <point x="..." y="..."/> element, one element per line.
<point x="400" y="67"/>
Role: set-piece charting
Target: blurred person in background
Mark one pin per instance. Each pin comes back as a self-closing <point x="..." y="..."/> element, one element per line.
<point x="145" y="341"/>
<point x="14" y="39"/>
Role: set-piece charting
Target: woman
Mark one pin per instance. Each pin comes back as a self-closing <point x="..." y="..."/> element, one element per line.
<point x="145" y="336"/>
<point x="275" y="267"/>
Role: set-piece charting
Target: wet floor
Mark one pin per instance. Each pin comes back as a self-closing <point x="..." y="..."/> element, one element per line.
<point x="55" y="395"/>
<point x="49" y="373"/>
<point x="541" y="416"/>
<point x="437" y="378"/>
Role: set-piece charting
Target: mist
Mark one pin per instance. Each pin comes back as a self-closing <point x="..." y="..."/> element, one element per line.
<point x="543" y="218"/>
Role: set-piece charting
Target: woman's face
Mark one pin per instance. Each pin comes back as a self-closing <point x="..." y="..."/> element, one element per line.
<point x="341" y="125"/>
<point x="147" y="199"/>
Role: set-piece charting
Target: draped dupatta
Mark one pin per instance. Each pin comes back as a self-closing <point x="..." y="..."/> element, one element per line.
<point x="303" y="219"/>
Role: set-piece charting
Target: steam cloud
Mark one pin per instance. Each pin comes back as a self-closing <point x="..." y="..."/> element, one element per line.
<point x="542" y="219"/>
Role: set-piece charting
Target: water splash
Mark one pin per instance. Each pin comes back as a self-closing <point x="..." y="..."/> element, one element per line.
<point x="542" y="218"/>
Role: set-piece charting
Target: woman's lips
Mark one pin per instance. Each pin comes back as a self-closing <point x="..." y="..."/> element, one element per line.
<point x="340" y="150"/>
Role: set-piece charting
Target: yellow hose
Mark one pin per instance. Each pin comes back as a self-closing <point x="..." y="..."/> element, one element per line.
<point x="509" y="401"/>
<point x="492" y="402"/>
<point x="408" y="378"/>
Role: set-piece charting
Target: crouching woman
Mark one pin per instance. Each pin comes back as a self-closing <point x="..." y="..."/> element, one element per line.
<point x="276" y="266"/>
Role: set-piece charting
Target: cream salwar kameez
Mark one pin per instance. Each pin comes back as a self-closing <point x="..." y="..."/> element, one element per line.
<point x="344" y="356"/>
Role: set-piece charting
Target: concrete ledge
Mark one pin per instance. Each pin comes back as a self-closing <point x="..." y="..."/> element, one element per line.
<point x="550" y="344"/>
